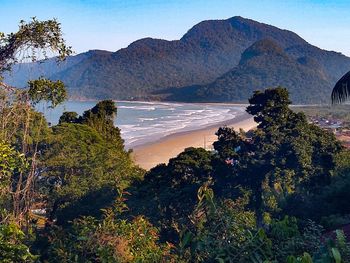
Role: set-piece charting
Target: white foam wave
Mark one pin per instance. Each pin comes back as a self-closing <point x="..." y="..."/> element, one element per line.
<point x="167" y="119"/>
<point x="138" y="108"/>
<point x="147" y="119"/>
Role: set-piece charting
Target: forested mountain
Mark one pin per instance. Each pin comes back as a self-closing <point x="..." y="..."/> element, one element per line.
<point x="264" y="64"/>
<point x="208" y="52"/>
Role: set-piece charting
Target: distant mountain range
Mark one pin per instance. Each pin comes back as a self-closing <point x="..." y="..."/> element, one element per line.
<point x="215" y="61"/>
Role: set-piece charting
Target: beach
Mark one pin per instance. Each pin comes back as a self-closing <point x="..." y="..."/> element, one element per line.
<point x="149" y="155"/>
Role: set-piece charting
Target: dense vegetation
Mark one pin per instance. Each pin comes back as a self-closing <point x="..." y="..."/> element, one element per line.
<point x="262" y="65"/>
<point x="70" y="193"/>
<point x="209" y="52"/>
<point x="254" y="199"/>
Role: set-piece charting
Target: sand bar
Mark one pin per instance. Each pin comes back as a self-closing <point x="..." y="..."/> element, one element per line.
<point x="151" y="154"/>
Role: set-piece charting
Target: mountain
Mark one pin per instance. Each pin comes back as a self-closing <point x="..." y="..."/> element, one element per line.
<point x="264" y="64"/>
<point x="155" y="69"/>
<point x="21" y="73"/>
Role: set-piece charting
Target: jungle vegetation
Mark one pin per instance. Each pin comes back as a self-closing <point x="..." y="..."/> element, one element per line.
<point x="71" y="193"/>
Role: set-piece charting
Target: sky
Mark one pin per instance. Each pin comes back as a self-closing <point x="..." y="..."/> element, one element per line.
<point x="114" y="24"/>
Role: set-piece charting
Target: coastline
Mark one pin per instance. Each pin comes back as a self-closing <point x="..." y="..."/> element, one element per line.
<point x="151" y="154"/>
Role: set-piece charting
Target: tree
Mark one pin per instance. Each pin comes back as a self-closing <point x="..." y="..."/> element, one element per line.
<point x="101" y="118"/>
<point x="84" y="162"/>
<point x="32" y="41"/>
<point x="168" y="193"/>
<point x="270" y="107"/>
<point x="341" y="89"/>
<point x="228" y="141"/>
<point x="284" y="154"/>
<point x="47" y="90"/>
<point x="68" y="117"/>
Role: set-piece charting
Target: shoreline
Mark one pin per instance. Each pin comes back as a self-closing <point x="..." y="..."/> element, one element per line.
<point x="150" y="154"/>
<point x="228" y="122"/>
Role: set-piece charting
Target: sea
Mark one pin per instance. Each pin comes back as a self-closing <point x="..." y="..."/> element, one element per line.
<point x="145" y="122"/>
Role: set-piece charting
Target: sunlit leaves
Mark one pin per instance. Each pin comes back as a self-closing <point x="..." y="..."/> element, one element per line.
<point x="12" y="245"/>
<point x="46" y="90"/>
<point x="10" y="161"/>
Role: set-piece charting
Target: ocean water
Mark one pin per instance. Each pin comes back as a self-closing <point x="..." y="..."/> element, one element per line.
<point x="143" y="122"/>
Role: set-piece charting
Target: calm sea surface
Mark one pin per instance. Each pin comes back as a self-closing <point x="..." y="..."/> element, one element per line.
<point x="142" y="122"/>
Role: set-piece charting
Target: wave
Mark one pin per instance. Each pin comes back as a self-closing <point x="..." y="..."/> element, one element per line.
<point x="147" y="119"/>
<point x="138" y="108"/>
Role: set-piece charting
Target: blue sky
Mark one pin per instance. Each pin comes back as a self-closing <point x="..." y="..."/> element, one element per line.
<point x="113" y="24"/>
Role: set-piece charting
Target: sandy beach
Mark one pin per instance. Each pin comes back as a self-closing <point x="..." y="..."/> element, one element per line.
<point x="149" y="155"/>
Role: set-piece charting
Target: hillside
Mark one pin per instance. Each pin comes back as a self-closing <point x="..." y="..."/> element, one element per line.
<point x="264" y="64"/>
<point x="21" y="73"/>
<point x="148" y="67"/>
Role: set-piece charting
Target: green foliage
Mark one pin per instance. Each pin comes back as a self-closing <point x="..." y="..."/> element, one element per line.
<point x="305" y="258"/>
<point x="46" y="90"/>
<point x="12" y="245"/>
<point x="32" y="37"/>
<point x="223" y="232"/>
<point x="10" y="161"/>
<point x="21" y="126"/>
<point x="82" y="166"/>
<point x="287" y="239"/>
<point x="328" y="205"/>
<point x="108" y="240"/>
<point x="101" y="118"/>
<point x="286" y="153"/>
<point x="68" y="117"/>
<point x="270" y="107"/>
<point x="83" y="162"/>
<point x="332" y="251"/>
<point x="342" y="250"/>
<point x="168" y="193"/>
<point x="228" y="141"/>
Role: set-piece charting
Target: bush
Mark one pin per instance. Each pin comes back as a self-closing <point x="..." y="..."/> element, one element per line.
<point x="12" y="246"/>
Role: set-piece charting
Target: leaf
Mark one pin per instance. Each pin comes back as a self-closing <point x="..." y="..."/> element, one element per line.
<point x="336" y="255"/>
<point x="291" y="259"/>
<point x="186" y="239"/>
<point x="307" y="258"/>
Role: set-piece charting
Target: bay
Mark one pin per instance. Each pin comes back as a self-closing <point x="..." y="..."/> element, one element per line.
<point x="144" y="122"/>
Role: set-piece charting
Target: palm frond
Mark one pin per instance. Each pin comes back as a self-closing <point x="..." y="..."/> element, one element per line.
<point x="341" y="90"/>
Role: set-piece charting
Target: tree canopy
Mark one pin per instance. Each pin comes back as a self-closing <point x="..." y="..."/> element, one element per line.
<point x="32" y="40"/>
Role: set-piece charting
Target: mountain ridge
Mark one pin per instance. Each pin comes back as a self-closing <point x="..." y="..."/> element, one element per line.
<point x="262" y="65"/>
<point x="148" y="67"/>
